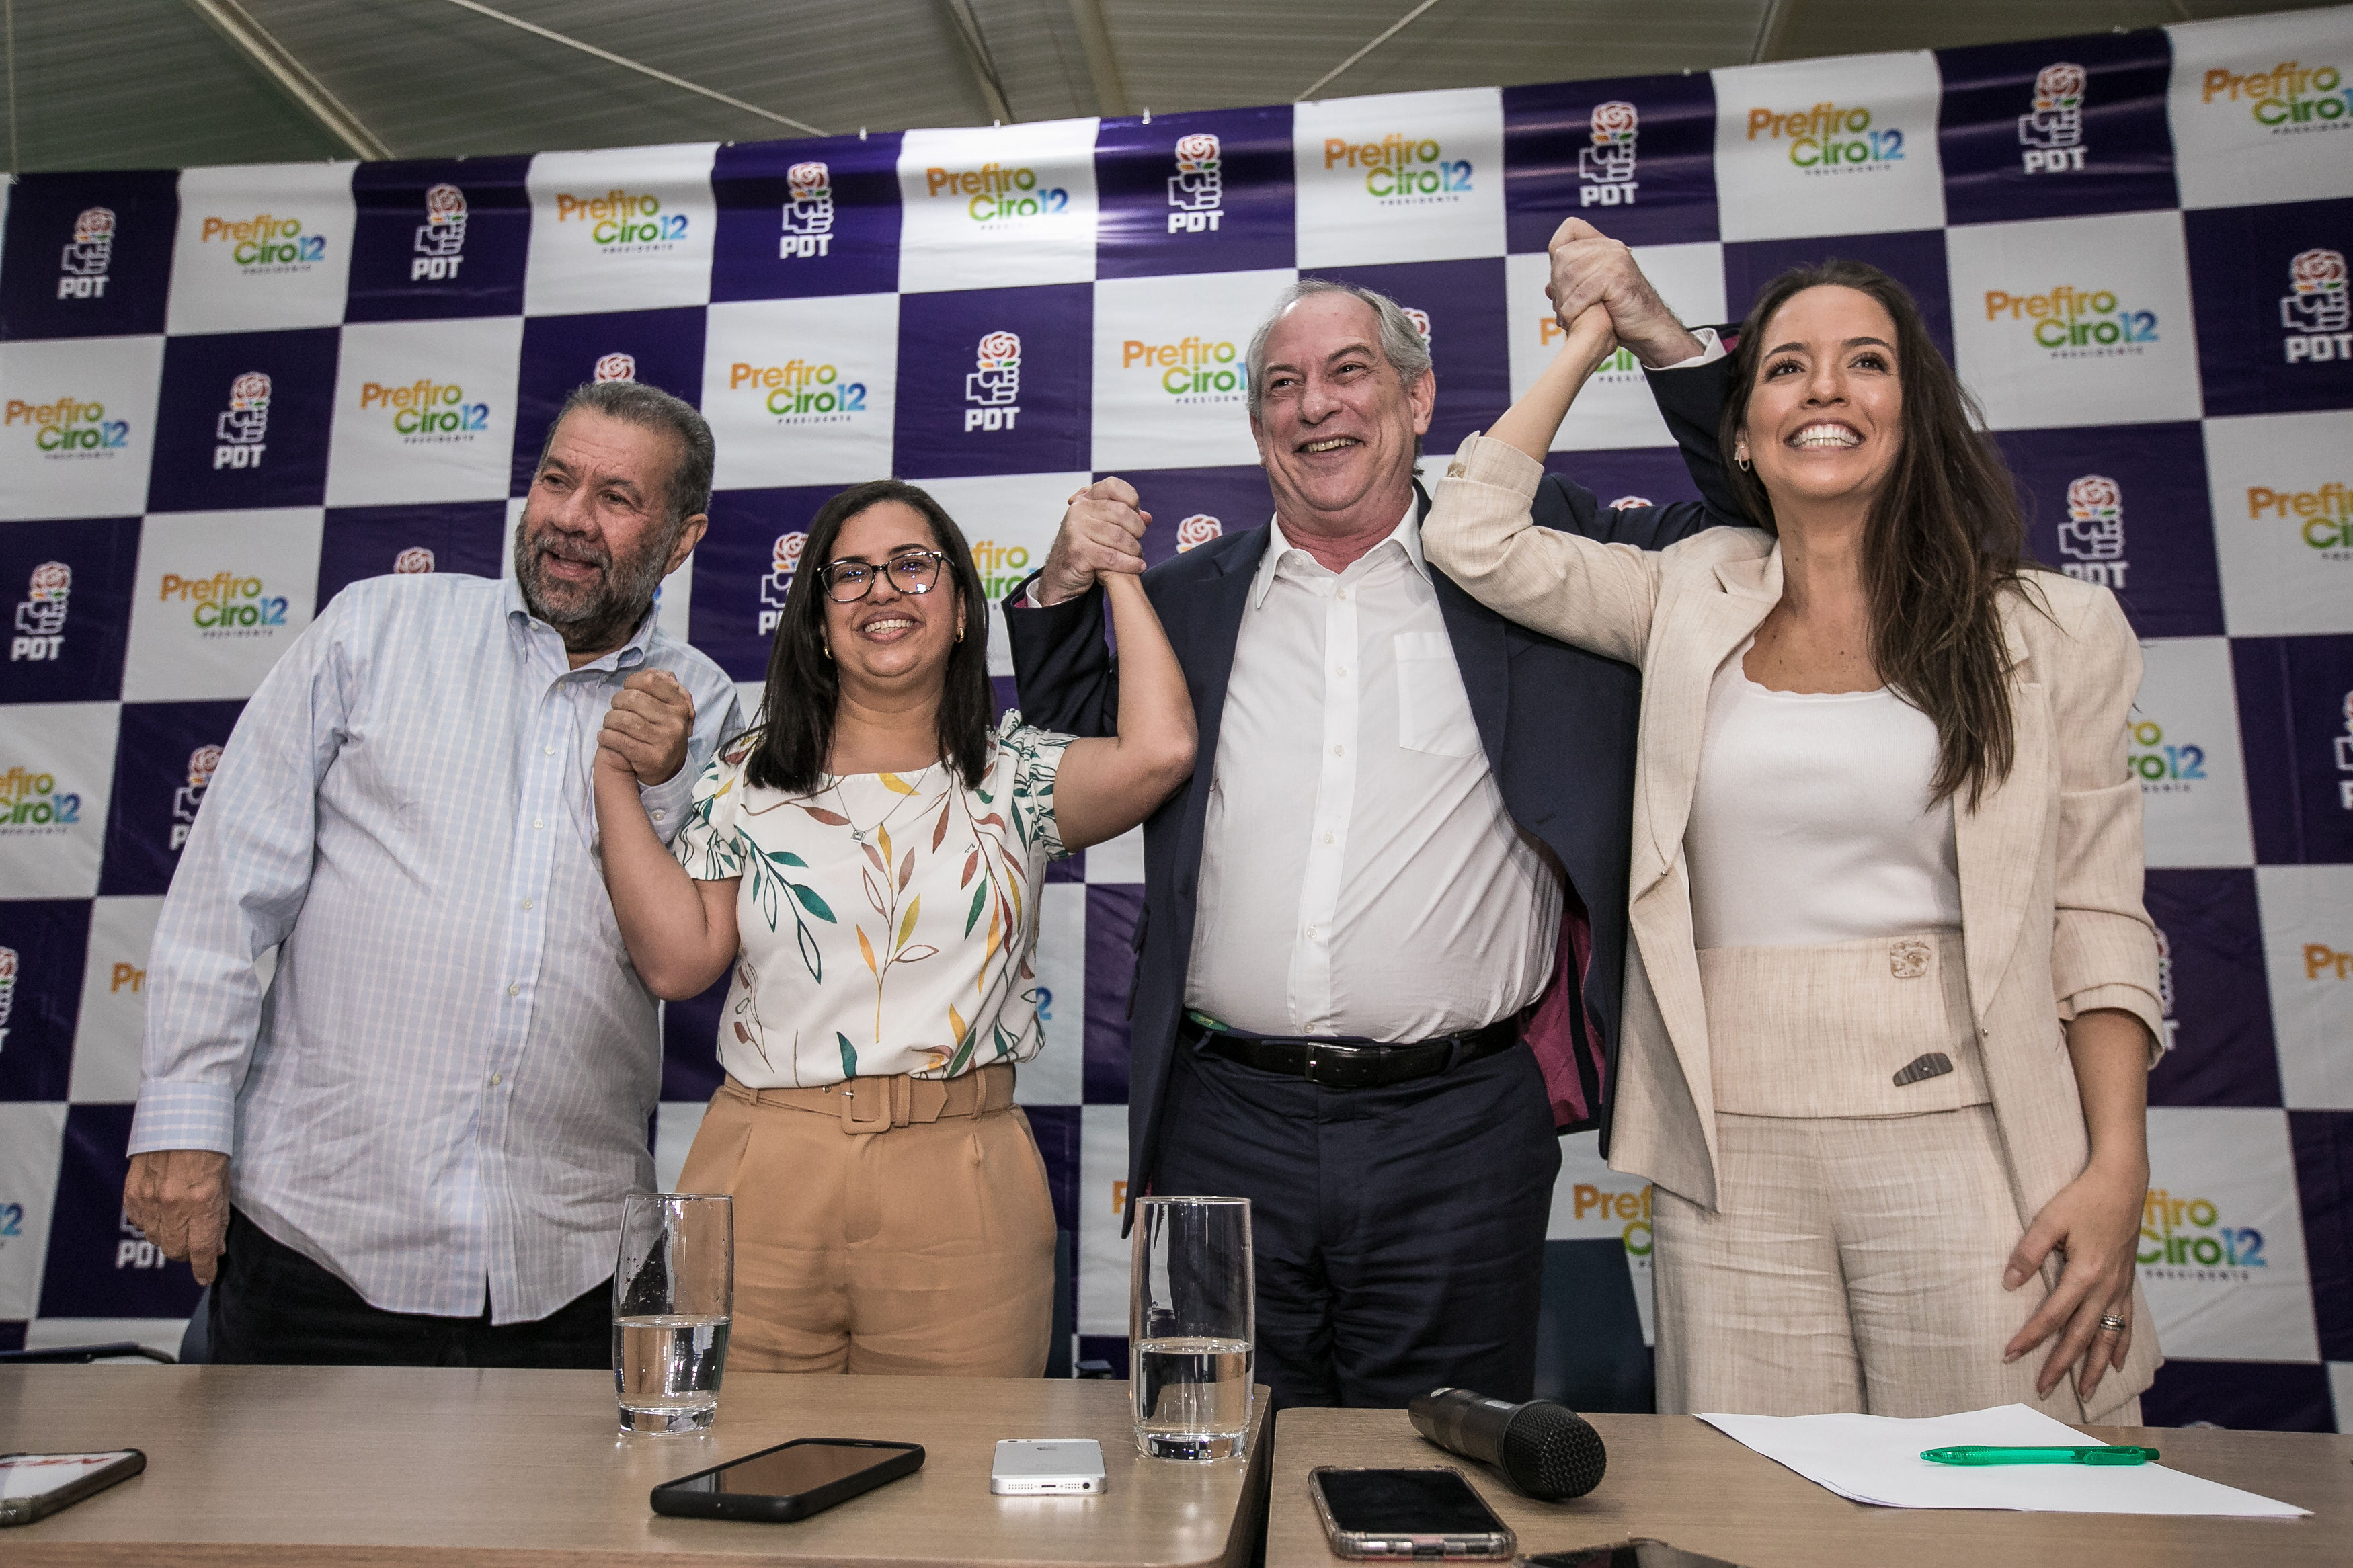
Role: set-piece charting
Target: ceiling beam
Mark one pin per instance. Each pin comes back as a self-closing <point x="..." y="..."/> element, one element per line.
<point x="1772" y="30"/>
<point x="1393" y="29"/>
<point x="290" y="77"/>
<point x="1110" y="93"/>
<point x="984" y="64"/>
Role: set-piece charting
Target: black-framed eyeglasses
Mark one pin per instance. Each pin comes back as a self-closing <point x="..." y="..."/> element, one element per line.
<point x="914" y="572"/>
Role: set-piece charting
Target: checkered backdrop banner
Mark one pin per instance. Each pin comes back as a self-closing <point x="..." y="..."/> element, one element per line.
<point x="230" y="392"/>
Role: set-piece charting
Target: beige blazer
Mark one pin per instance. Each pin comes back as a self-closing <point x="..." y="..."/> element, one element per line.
<point x="2050" y="860"/>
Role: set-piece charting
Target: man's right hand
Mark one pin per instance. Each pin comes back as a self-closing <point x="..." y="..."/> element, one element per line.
<point x="1101" y="531"/>
<point x="180" y="1198"/>
<point x="1591" y="268"/>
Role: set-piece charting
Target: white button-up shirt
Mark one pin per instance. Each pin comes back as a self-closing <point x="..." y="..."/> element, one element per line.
<point x="446" y="1085"/>
<point x="1359" y="873"/>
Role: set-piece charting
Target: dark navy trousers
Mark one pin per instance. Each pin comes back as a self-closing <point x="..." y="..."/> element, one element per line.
<point x="1398" y="1233"/>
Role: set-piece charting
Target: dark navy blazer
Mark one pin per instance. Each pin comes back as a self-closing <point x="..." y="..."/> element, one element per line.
<point x="1558" y="725"/>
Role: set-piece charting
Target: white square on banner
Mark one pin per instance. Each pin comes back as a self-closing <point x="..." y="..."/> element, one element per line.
<point x="425" y="411"/>
<point x="2221" y="1240"/>
<point x="801" y="392"/>
<point x="1835" y="146"/>
<point x="1590" y="1201"/>
<point x="998" y="207"/>
<point x="262" y="247"/>
<point x="78" y="426"/>
<point x="1117" y="862"/>
<point x="676" y="1121"/>
<point x="1009" y="520"/>
<point x="32" y="1143"/>
<point x="219" y="595"/>
<point x="624" y="228"/>
<point x="113" y="1001"/>
<point x="673" y="601"/>
<point x="1616" y="409"/>
<point x="2307" y="914"/>
<point x="2184" y="752"/>
<point x="2075" y="321"/>
<point x="2261" y="108"/>
<point x="2283" y="494"/>
<point x="1399" y="177"/>
<point x="1102" y="1252"/>
<point x="1172" y="389"/>
<point x="57" y="774"/>
<point x="1057" y="1074"/>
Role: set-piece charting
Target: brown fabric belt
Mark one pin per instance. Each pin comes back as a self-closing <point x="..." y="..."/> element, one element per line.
<point x="867" y="1105"/>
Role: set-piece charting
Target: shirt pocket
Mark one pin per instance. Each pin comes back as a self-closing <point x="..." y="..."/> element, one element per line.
<point x="1434" y="709"/>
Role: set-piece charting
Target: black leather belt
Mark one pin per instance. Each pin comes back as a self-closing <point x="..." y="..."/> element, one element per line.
<point x="1350" y="1063"/>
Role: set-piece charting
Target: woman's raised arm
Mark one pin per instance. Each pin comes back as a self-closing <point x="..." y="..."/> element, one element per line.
<point x="681" y="932"/>
<point x="1106" y="786"/>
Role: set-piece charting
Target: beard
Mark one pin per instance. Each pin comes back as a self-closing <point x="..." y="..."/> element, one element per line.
<point x="591" y="617"/>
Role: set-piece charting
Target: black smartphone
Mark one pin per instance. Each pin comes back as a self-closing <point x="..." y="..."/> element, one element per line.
<point x="34" y="1486"/>
<point x="1639" y="1553"/>
<point x="1428" y="1511"/>
<point x="789" y="1481"/>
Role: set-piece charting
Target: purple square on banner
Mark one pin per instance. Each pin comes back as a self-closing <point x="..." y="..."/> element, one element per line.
<point x="2274" y="305"/>
<point x="43" y="945"/>
<point x="100" y="1264"/>
<point x="1632" y="476"/>
<point x="1112" y="914"/>
<point x="65" y="588"/>
<point x="242" y="420"/>
<point x="995" y="381"/>
<point x="1914" y="257"/>
<point x="1634" y="157"/>
<point x="164" y="764"/>
<point x="2210" y="986"/>
<point x="2056" y="129"/>
<point x="438" y="238"/>
<point x="744" y="567"/>
<point x="88" y="256"/>
<point x="1195" y="193"/>
<point x="1461" y="303"/>
<point x="803" y="218"/>
<point x="659" y="348"/>
<point x="2242" y="1396"/>
<point x="2296" y="720"/>
<point x="1056" y="1128"/>
<point x="1190" y="507"/>
<point x="2124" y="507"/>
<point x="362" y="541"/>
<point x="690" y="1069"/>
<point x="2323" y="1141"/>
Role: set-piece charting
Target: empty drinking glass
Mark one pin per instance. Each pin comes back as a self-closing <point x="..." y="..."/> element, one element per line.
<point x="674" y="1296"/>
<point x="1191" y="1321"/>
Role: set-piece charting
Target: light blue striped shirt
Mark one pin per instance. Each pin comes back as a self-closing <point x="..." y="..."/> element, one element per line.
<point x="447" y="1083"/>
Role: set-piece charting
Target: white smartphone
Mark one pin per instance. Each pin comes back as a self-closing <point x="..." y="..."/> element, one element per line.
<point x="1031" y="1466"/>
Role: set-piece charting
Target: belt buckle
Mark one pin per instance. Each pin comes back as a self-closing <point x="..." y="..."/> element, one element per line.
<point x="859" y="1126"/>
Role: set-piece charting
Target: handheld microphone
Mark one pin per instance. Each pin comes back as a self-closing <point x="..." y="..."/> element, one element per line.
<point x="1544" y="1449"/>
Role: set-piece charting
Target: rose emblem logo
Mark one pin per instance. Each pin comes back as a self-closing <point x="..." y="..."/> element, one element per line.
<point x="1615" y="120"/>
<point x="52" y="580"/>
<point x="2058" y="86"/>
<point x="414" y="559"/>
<point x="2315" y="270"/>
<point x="1196" y="153"/>
<point x="807" y="180"/>
<point x="8" y="964"/>
<point x="617" y="367"/>
<point x="445" y="202"/>
<point x="1196" y="530"/>
<point x="249" y="392"/>
<point x="1420" y="319"/>
<point x="203" y="762"/>
<point x="788" y="550"/>
<point x="1001" y="349"/>
<point x="94" y="224"/>
<point x="2095" y="496"/>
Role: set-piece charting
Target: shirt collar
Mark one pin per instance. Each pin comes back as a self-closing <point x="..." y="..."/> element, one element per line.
<point x="629" y="654"/>
<point x="1406" y="536"/>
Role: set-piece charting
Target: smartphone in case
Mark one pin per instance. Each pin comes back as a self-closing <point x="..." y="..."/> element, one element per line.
<point x="34" y="1486"/>
<point x="1034" y="1467"/>
<point x="789" y="1481"/>
<point x="1428" y="1511"/>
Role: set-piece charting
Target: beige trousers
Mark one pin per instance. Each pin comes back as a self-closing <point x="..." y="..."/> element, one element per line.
<point x="903" y="1227"/>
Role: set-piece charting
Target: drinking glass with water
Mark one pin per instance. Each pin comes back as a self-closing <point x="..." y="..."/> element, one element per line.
<point x="1191" y="1321"/>
<point x="674" y="1298"/>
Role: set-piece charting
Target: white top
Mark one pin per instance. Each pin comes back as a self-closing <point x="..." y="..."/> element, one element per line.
<point x="1359" y="873"/>
<point x="1810" y="822"/>
<point x="886" y="923"/>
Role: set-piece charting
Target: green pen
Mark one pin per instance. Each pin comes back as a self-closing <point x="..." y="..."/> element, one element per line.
<point x="1982" y="1454"/>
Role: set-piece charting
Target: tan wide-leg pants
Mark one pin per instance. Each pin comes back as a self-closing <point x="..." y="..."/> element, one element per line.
<point x="903" y="1227"/>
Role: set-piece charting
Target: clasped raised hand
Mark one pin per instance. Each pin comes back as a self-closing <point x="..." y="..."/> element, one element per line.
<point x="1103" y="531"/>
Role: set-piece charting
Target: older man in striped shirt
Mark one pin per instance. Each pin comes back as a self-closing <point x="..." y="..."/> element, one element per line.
<point x="411" y="1145"/>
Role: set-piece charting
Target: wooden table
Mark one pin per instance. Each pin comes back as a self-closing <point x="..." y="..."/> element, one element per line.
<point x="1674" y="1479"/>
<point x="377" y="1467"/>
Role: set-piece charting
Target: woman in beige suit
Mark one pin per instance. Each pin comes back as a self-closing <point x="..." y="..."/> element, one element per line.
<point x="1891" y="1000"/>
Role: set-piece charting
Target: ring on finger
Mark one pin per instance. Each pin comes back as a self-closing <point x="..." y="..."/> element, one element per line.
<point x="2114" y="1323"/>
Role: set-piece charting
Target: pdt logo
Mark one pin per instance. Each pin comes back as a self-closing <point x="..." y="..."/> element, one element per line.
<point x="81" y="273"/>
<point x="240" y="428"/>
<point x="994" y="383"/>
<point x="411" y="562"/>
<point x="1605" y="169"/>
<point x="778" y="583"/>
<point x="1402" y="169"/>
<point x="2345" y="756"/>
<point x="41" y="615"/>
<point x="620" y="219"/>
<point x="2164" y="988"/>
<point x="441" y="238"/>
<point x="2052" y="132"/>
<point x="7" y="990"/>
<point x="1198" y="189"/>
<point x="617" y="367"/>
<point x="1828" y="139"/>
<point x="808" y="211"/>
<point x="2092" y="536"/>
<point x="265" y="243"/>
<point x="189" y="798"/>
<point x="1196" y="530"/>
<point x="2318" y="310"/>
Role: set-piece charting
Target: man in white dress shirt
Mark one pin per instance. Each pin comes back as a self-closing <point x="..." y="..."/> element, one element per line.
<point x="1353" y="913"/>
<point x="411" y="1145"/>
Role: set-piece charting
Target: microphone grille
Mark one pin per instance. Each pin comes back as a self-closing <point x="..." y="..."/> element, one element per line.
<point x="1550" y="1452"/>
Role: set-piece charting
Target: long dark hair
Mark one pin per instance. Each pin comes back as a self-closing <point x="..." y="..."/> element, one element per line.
<point x="1943" y="539"/>
<point x="804" y="690"/>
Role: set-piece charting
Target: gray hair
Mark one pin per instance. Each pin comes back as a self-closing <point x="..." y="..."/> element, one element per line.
<point x="651" y="409"/>
<point x="1398" y="340"/>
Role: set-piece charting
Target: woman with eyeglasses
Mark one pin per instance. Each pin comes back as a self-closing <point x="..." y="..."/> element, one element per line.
<point x="867" y="861"/>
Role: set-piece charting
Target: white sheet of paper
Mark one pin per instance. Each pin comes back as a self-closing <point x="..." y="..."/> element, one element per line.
<point x="1876" y="1460"/>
